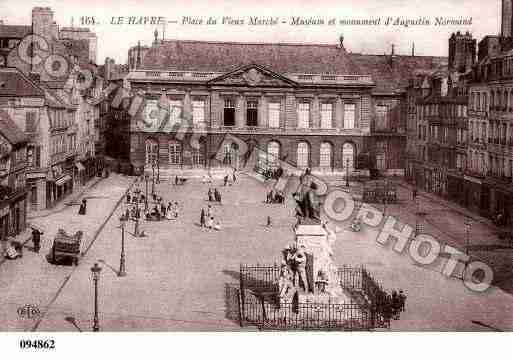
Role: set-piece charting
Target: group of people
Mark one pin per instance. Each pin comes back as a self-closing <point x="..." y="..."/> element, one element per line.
<point x="275" y="197"/>
<point x="391" y="306"/>
<point x="136" y="197"/>
<point x="214" y="195"/>
<point x="226" y="179"/>
<point x="160" y="211"/>
<point x="207" y="219"/>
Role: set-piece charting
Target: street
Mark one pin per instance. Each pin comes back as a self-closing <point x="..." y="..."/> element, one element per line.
<point x="178" y="276"/>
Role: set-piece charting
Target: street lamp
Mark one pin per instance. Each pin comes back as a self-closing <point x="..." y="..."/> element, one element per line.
<point x="158" y="171"/>
<point x="122" y="270"/>
<point x="95" y="270"/>
<point x="347" y="172"/>
<point x="468" y="225"/>
<point x="146" y="198"/>
<point x="153" y="177"/>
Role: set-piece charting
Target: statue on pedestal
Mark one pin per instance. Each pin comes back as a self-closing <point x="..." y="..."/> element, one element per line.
<point x="308" y="209"/>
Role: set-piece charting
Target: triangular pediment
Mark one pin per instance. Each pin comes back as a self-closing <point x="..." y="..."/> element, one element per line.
<point x="253" y="76"/>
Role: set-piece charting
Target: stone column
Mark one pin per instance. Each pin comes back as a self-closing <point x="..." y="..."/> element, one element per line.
<point x="187" y="106"/>
<point x="315" y="116"/>
<point x="290" y="112"/>
<point x="262" y="112"/>
<point x="239" y="112"/>
<point x="339" y="112"/>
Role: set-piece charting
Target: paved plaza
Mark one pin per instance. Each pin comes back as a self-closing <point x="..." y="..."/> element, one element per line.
<point x="179" y="276"/>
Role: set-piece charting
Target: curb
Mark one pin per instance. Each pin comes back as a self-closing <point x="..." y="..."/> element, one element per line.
<point x="82" y="255"/>
<point x="63" y="205"/>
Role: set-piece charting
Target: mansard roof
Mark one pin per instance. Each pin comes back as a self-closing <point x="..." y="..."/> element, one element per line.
<point x="283" y="58"/>
<point x="15" y="31"/>
<point x="392" y="73"/>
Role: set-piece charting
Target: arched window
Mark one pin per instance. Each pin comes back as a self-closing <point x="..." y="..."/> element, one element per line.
<point x="348" y="156"/>
<point x="152" y="151"/>
<point x="175" y="153"/>
<point x="325" y="160"/>
<point x="303" y="154"/>
<point x="231" y="154"/>
<point x="273" y="154"/>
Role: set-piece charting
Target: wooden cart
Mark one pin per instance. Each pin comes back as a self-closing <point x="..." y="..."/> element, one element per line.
<point x="66" y="247"/>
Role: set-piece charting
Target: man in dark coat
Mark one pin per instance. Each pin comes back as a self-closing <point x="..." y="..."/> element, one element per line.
<point x="83" y="207"/>
<point x="36" y="239"/>
<point x="202" y="218"/>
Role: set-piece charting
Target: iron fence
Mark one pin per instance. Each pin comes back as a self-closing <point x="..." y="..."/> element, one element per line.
<point x="260" y="304"/>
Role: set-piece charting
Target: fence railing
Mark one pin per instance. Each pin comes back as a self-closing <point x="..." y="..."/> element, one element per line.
<point x="260" y="304"/>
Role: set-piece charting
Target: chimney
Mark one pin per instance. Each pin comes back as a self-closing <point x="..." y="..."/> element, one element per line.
<point x="393" y="50"/>
<point x="42" y="22"/>
<point x="413" y="50"/>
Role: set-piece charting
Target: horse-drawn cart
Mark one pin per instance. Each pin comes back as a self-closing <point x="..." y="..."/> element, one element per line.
<point x="66" y="247"/>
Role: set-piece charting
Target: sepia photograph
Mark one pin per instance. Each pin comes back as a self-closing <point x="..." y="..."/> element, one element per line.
<point x="234" y="167"/>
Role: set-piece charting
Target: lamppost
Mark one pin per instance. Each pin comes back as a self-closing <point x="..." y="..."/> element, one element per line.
<point x="153" y="177"/>
<point x="347" y="172"/>
<point x="95" y="270"/>
<point x="146" y="198"/>
<point x="468" y="225"/>
<point x="122" y="270"/>
<point x="158" y="171"/>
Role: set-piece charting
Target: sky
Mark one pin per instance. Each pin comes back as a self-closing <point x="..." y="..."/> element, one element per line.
<point x="114" y="39"/>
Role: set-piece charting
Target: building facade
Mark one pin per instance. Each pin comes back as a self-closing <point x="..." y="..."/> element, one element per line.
<point x="13" y="162"/>
<point x="314" y="106"/>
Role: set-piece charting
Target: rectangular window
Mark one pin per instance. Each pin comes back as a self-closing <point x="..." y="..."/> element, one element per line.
<point x="326" y="115"/>
<point x="198" y="111"/>
<point x="252" y="113"/>
<point x="175" y="115"/>
<point x="30" y="156"/>
<point x="349" y="115"/>
<point x="274" y="114"/>
<point x="303" y="115"/>
<point x="381" y="118"/>
<point x="30" y="122"/>
<point x="229" y="112"/>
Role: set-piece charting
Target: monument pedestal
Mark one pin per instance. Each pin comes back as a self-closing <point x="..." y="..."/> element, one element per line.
<point x="322" y="273"/>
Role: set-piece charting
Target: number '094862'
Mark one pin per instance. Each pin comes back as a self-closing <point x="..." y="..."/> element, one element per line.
<point x="37" y="344"/>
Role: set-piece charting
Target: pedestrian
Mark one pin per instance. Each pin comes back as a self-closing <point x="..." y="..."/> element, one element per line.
<point x="396" y="307"/>
<point x="225" y="180"/>
<point x="163" y="209"/>
<point x="402" y="300"/>
<point x="128" y="197"/>
<point x="234" y="178"/>
<point x="176" y="209"/>
<point x="202" y="218"/>
<point x="127" y="214"/>
<point x="176" y="180"/>
<point x="209" y="211"/>
<point x="269" y="224"/>
<point x="83" y="207"/>
<point x="36" y="239"/>
<point x="210" y="198"/>
<point x="217" y="225"/>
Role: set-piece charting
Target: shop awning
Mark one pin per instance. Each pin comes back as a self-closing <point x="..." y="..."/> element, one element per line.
<point x="79" y="166"/>
<point x="63" y="180"/>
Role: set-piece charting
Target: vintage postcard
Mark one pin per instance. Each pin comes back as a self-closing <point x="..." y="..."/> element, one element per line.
<point x="221" y="166"/>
